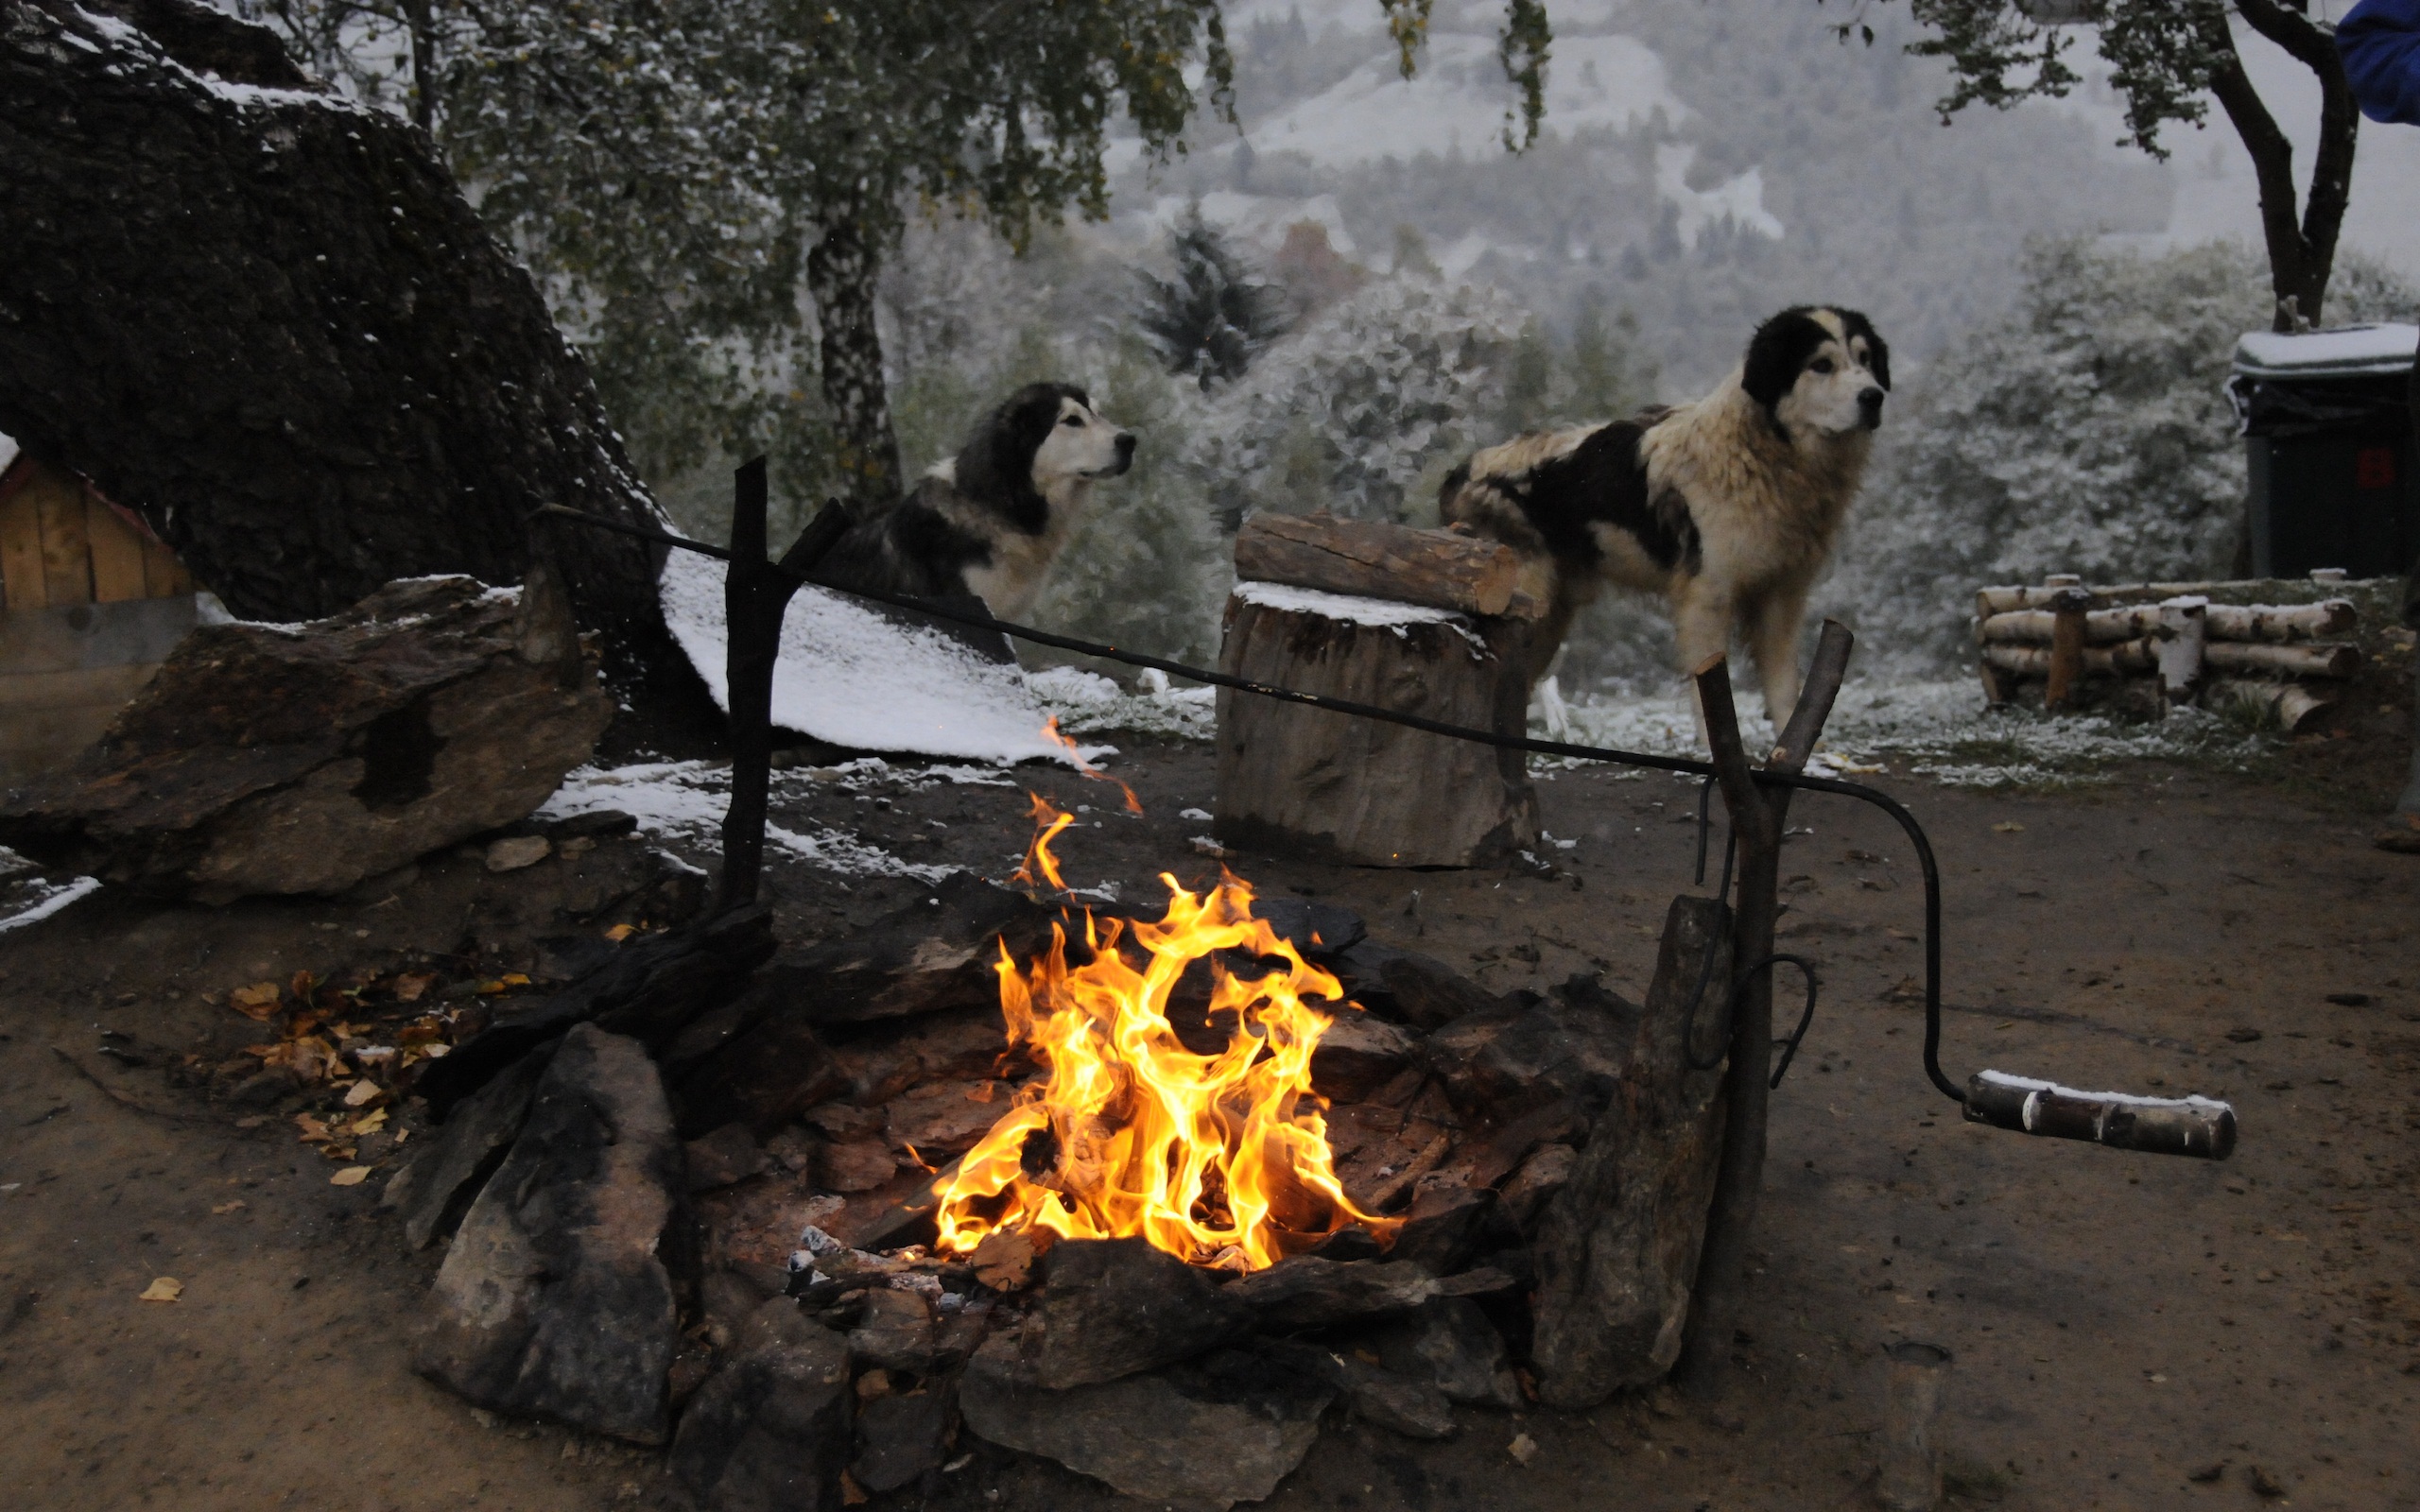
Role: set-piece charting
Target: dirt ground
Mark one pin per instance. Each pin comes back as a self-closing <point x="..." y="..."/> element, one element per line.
<point x="2129" y="1330"/>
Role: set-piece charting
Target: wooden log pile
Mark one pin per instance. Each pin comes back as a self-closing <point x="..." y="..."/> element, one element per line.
<point x="2174" y="644"/>
<point x="1424" y="622"/>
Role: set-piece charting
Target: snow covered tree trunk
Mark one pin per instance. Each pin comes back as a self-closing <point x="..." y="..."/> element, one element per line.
<point x="266" y="317"/>
<point x="842" y="269"/>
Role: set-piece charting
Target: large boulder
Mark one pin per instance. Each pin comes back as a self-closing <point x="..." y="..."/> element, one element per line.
<point x="304" y="758"/>
<point x="554" y="1301"/>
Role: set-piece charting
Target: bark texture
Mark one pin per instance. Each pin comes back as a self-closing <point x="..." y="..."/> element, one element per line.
<point x="267" y="318"/>
<point x="1375" y="559"/>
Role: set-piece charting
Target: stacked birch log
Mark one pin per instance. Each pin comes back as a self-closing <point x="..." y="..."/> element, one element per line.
<point x="2287" y="659"/>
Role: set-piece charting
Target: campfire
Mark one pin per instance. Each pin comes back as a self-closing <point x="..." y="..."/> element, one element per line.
<point x="1220" y="1158"/>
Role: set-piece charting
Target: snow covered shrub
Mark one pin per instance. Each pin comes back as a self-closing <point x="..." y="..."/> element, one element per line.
<point x="2087" y="431"/>
<point x="1362" y="410"/>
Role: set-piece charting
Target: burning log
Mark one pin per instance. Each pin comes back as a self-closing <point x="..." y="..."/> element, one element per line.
<point x="1617" y="1247"/>
<point x="302" y="759"/>
<point x="1371" y="558"/>
<point x="1298" y="780"/>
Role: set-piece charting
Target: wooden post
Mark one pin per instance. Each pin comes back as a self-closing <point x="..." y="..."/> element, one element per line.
<point x="2066" y="647"/>
<point x="1758" y="814"/>
<point x="2186" y="622"/>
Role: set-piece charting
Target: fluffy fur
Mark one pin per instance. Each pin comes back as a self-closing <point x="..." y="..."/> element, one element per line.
<point x="1726" y="507"/>
<point x="990" y="521"/>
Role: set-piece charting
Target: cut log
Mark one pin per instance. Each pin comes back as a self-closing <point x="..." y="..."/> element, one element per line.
<point x="302" y="759"/>
<point x="2183" y="633"/>
<point x="2287" y="703"/>
<point x="2285" y="661"/>
<point x="2094" y="661"/>
<point x="1306" y="781"/>
<point x="1371" y="558"/>
<point x="1617" y="1247"/>
<point x="277" y="330"/>
<point x="2278" y="624"/>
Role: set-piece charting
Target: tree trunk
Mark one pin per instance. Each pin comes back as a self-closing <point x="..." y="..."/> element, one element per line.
<point x="265" y="318"/>
<point x="841" y="271"/>
<point x="2301" y="246"/>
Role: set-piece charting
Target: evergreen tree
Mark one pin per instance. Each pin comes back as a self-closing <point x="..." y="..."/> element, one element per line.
<point x="1214" y="317"/>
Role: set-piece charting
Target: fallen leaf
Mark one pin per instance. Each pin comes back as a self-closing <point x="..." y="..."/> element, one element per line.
<point x="256" y="1003"/>
<point x="514" y="979"/>
<point x="2007" y="827"/>
<point x="226" y="1207"/>
<point x="314" y="1130"/>
<point x="351" y="1176"/>
<point x="1523" y="1449"/>
<point x="369" y="1122"/>
<point x="851" y="1494"/>
<point x="362" y="1092"/>
<point x="304" y="984"/>
<point x="412" y="985"/>
<point x="621" y="932"/>
<point x="163" y="1289"/>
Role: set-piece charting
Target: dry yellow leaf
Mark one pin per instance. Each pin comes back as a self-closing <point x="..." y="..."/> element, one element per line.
<point x="362" y="1092"/>
<point x="851" y="1494"/>
<point x="412" y="985"/>
<point x="2007" y="827"/>
<point x="258" y="1002"/>
<point x="163" y="1289"/>
<point x="369" y="1122"/>
<point x="621" y="932"/>
<point x="351" y="1176"/>
<point x="226" y="1207"/>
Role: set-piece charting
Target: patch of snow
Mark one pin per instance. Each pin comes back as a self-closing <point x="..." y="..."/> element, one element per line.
<point x="2032" y="1084"/>
<point x="1202" y="816"/>
<point x="2345" y="352"/>
<point x="684" y="801"/>
<point x="1739" y="200"/>
<point x="1457" y="101"/>
<point x="1383" y="613"/>
<point x="851" y="677"/>
<point x="1087" y="702"/>
<point x="45" y="897"/>
<point x="8" y="452"/>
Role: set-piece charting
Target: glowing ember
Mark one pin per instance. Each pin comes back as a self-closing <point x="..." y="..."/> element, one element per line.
<point x="1221" y="1159"/>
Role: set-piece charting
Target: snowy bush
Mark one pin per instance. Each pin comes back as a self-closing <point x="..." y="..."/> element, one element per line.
<point x="2087" y="431"/>
<point x="1362" y="410"/>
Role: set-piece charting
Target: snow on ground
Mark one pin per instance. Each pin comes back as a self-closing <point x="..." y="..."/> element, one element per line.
<point x="1938" y="729"/>
<point x="852" y="678"/>
<point x="1087" y="702"/>
<point x="28" y="897"/>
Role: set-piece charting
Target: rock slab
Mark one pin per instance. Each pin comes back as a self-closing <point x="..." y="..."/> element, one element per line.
<point x="287" y="759"/>
<point x="553" y="1301"/>
<point x="771" y="1432"/>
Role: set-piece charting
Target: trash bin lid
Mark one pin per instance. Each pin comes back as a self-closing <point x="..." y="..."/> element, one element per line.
<point x="2346" y="352"/>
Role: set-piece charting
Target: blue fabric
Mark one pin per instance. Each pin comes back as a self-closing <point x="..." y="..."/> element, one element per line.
<point x="2379" y="40"/>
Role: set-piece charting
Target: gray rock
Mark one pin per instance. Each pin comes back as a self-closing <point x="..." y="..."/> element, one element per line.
<point x="1407" y="1405"/>
<point x="771" y="1432"/>
<point x="1358" y="1055"/>
<point x="553" y="1301"/>
<point x="1112" y="1307"/>
<point x="1444" y="1222"/>
<point x="1516" y="1057"/>
<point x="440" y="1184"/>
<point x="904" y="1437"/>
<point x="1546" y="1171"/>
<point x="1209" y="1436"/>
<point x="1309" y="1293"/>
<point x="895" y="1332"/>
<point x="1453" y="1343"/>
<point x="728" y="1153"/>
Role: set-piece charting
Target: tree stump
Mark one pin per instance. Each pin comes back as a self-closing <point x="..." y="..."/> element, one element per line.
<point x="1307" y="782"/>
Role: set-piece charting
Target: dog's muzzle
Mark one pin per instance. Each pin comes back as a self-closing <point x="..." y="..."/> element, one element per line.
<point x="1125" y="454"/>
<point x="1869" y="408"/>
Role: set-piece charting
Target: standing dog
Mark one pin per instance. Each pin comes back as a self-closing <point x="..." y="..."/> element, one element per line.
<point x="1727" y="506"/>
<point x="990" y="521"/>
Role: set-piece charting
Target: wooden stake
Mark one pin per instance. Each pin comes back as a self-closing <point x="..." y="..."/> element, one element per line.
<point x="2066" y="647"/>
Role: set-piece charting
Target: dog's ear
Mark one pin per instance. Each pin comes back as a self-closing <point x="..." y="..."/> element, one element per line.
<point x="1878" y="352"/>
<point x="996" y="464"/>
<point x="1777" y="353"/>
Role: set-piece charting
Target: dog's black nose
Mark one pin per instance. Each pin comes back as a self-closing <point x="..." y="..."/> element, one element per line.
<point x="1868" y="404"/>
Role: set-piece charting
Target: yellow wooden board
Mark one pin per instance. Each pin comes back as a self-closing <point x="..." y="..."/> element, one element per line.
<point x="117" y="554"/>
<point x="21" y="553"/>
<point x="66" y="549"/>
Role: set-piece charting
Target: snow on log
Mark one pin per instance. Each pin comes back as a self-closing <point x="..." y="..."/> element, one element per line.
<point x="1371" y="558"/>
<point x="2158" y="1126"/>
<point x="264" y="316"/>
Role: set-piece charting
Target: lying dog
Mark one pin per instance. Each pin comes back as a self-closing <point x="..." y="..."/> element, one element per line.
<point x="1727" y="506"/>
<point x="990" y="521"/>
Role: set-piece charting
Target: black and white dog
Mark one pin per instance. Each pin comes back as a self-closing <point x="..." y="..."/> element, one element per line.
<point x="1726" y="507"/>
<point x="990" y="521"/>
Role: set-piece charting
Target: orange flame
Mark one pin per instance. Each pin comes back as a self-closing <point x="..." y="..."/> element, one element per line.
<point x="1050" y="733"/>
<point x="1221" y="1159"/>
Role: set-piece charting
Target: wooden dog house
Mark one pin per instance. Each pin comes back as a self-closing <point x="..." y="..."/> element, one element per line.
<point x="91" y="603"/>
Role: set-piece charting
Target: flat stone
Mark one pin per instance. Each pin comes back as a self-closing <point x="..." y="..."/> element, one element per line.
<point x="516" y="851"/>
<point x="553" y="1301"/>
<point x="1112" y="1307"/>
<point x="1358" y="1054"/>
<point x="1409" y="1405"/>
<point x="903" y="1437"/>
<point x="1515" y="1057"/>
<point x="858" y="1165"/>
<point x="433" y="1191"/>
<point x="895" y="1332"/>
<point x="727" y="1156"/>
<point x="1412" y="988"/>
<point x="771" y="1432"/>
<point x="1308" y="1292"/>
<point x="1546" y="1171"/>
<point x="946" y="1116"/>
<point x="933" y="954"/>
<point x="1319" y="931"/>
<point x="1452" y="1342"/>
<point x="1226" y="1432"/>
